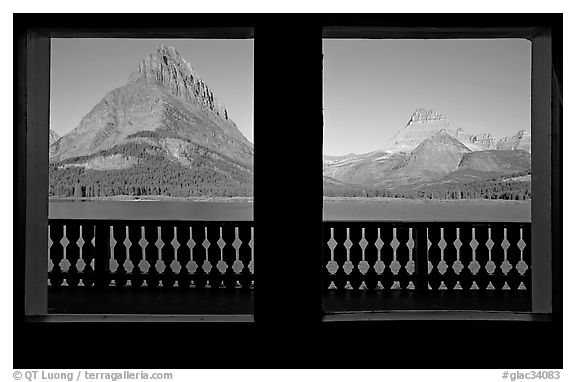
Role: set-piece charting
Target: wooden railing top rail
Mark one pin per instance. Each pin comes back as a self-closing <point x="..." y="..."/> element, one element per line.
<point x="330" y="222"/>
<point x="412" y="223"/>
<point x="152" y="222"/>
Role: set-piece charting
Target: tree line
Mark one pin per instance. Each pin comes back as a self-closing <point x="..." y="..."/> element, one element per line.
<point x="207" y="175"/>
<point x="493" y="189"/>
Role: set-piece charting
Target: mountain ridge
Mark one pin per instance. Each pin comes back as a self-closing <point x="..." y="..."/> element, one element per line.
<point x="164" y="113"/>
<point x="429" y="149"/>
<point x="158" y="88"/>
<point x="424" y="123"/>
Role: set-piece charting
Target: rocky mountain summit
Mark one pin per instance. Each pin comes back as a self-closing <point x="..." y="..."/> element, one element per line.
<point x="164" y="114"/>
<point x="428" y="149"/>
<point x="422" y="125"/>
<point x="163" y="93"/>
<point x="425" y="123"/>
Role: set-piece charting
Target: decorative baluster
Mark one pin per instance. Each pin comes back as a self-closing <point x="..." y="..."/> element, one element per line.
<point x="175" y="265"/>
<point x="457" y="267"/>
<point x="387" y="256"/>
<point x="199" y="256"/>
<point x="167" y="255"/>
<point x="465" y="275"/>
<point x="395" y="265"/>
<point x="237" y="266"/>
<point x="87" y="235"/>
<point x="362" y="265"/>
<point x="506" y="266"/>
<point x="434" y="257"/>
<point x="482" y="256"/>
<point x="355" y="256"/>
<point x="160" y="265"/>
<point x="183" y="255"/>
<point x="192" y="266"/>
<point x="442" y="265"/>
<point x="135" y="254"/>
<point x="151" y="253"/>
<point x="410" y="265"/>
<point x="56" y="254"/>
<point x="214" y="253"/>
<point x="245" y="254"/>
<point x="403" y="256"/>
<point x="450" y="256"/>
<point x="113" y="261"/>
<point x="371" y="256"/>
<point x="474" y="264"/>
<point x="221" y="264"/>
<point x="229" y="255"/>
<point x="65" y="264"/>
<point x="379" y="264"/>
<point x="513" y="256"/>
<point x="73" y="254"/>
<point x="330" y="266"/>
<point x="144" y="265"/>
<point x="340" y="258"/>
<point x="497" y="256"/>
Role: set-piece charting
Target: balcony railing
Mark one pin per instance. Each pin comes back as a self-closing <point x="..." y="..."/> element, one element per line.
<point x="426" y="256"/>
<point x="137" y="253"/>
<point x="357" y="255"/>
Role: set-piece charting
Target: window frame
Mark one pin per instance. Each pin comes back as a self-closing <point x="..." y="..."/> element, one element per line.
<point x="36" y="120"/>
<point x="544" y="97"/>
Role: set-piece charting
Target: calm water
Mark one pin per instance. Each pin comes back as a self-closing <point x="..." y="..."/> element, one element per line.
<point x="427" y="210"/>
<point x="170" y="210"/>
<point x="356" y="209"/>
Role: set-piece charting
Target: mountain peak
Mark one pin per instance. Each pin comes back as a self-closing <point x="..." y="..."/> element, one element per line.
<point x="423" y="124"/>
<point x="165" y="67"/>
<point x="165" y="94"/>
<point x="165" y="49"/>
<point x="436" y="156"/>
<point x="441" y="138"/>
<point x="170" y="56"/>
<point x="425" y="115"/>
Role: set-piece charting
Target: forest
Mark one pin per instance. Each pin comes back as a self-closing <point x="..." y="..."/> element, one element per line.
<point x="209" y="174"/>
<point x="486" y="189"/>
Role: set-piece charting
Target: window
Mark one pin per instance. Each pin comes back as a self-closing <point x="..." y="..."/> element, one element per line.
<point x="150" y="176"/>
<point x="426" y="168"/>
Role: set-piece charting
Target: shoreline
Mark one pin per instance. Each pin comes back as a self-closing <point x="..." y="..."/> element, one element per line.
<point x="423" y="201"/>
<point x="126" y="198"/>
<point x="250" y="199"/>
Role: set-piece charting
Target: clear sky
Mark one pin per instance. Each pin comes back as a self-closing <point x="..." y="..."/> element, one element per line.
<point x="372" y="87"/>
<point x="84" y="70"/>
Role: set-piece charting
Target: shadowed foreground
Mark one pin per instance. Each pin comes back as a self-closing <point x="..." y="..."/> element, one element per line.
<point x="222" y="301"/>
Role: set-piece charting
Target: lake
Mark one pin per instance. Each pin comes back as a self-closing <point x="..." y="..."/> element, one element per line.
<point x="150" y="209"/>
<point x="478" y="210"/>
<point x="334" y="209"/>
